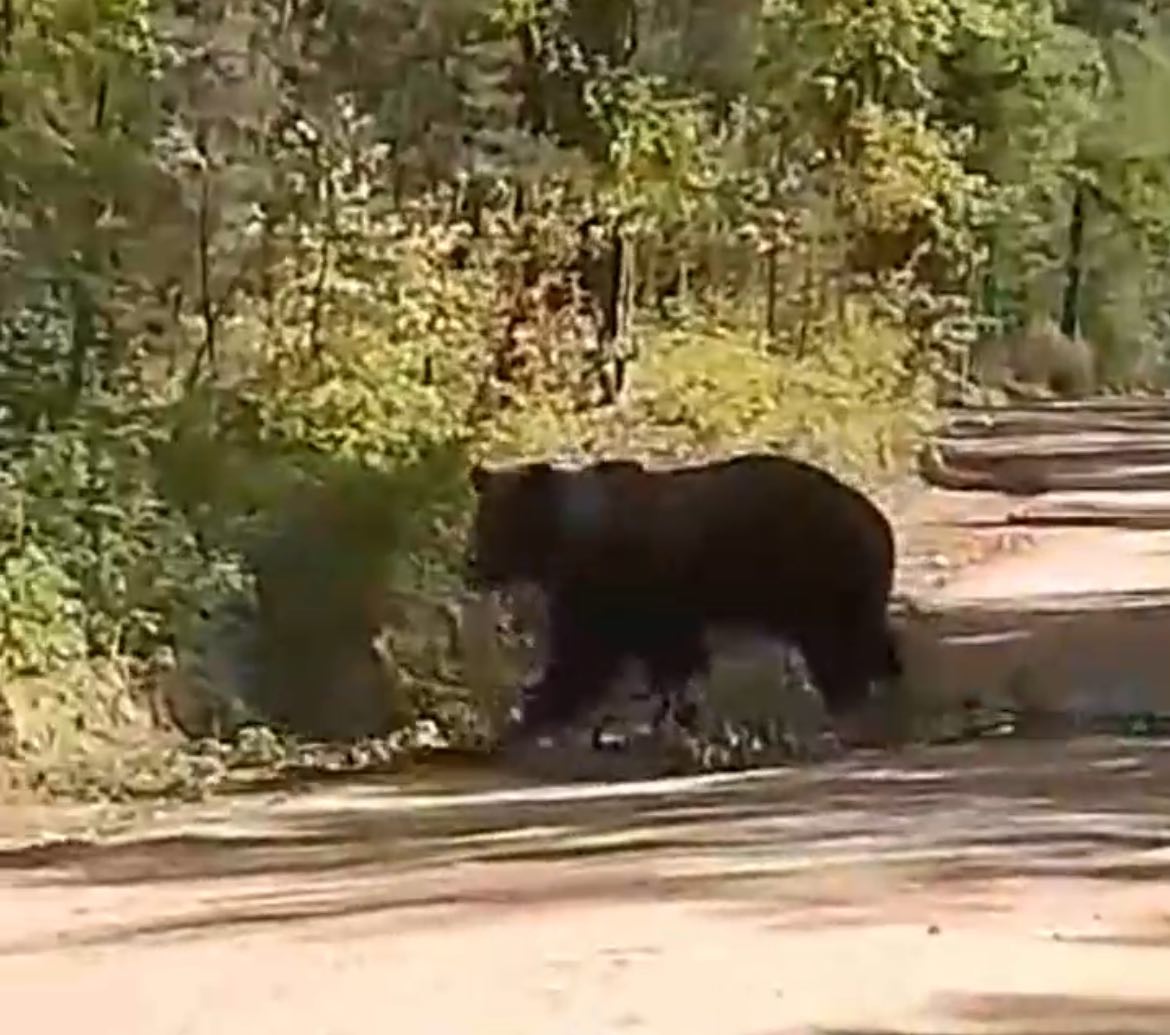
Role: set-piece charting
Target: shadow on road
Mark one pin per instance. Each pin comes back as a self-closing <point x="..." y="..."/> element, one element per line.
<point x="1134" y="519"/>
<point x="783" y="842"/>
<point x="1043" y="1015"/>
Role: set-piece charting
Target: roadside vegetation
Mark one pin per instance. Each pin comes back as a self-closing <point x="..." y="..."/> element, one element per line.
<point x="273" y="272"/>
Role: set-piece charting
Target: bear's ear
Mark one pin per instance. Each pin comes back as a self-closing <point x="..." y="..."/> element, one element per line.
<point x="538" y="475"/>
<point x="539" y="484"/>
<point x="480" y="476"/>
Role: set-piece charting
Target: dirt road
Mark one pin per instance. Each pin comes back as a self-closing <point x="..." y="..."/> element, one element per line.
<point x="1074" y="615"/>
<point x="999" y="887"/>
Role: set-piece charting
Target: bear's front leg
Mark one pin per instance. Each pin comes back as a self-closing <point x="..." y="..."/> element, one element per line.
<point x="677" y="655"/>
<point x="582" y="663"/>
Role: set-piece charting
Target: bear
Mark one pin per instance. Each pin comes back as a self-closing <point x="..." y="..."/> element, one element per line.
<point x="639" y="564"/>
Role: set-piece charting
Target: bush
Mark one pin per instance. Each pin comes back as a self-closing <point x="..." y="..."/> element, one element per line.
<point x="849" y="402"/>
<point x="97" y="564"/>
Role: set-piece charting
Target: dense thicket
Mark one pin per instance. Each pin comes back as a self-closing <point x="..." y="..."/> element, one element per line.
<point x="271" y="269"/>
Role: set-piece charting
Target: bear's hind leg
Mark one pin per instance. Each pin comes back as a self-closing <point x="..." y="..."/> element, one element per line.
<point x="842" y="669"/>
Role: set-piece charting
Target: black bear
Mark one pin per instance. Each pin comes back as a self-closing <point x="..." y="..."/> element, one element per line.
<point x="638" y="564"/>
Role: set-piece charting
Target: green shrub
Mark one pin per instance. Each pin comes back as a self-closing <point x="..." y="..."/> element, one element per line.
<point x="849" y="402"/>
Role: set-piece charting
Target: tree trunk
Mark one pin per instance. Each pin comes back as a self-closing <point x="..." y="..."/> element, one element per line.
<point x="1070" y="310"/>
<point x="83" y="337"/>
<point x="7" y="32"/>
<point x="772" y="312"/>
<point x="616" y="311"/>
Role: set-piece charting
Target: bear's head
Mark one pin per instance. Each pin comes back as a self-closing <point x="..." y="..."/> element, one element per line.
<point x="531" y="517"/>
<point x="514" y="530"/>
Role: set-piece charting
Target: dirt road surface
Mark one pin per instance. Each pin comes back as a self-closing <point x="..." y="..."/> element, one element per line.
<point x="1003" y="887"/>
<point x="1057" y="600"/>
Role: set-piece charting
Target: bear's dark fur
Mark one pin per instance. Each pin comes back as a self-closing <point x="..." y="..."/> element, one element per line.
<point x="638" y="564"/>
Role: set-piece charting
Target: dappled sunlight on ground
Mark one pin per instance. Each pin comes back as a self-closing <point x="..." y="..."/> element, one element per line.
<point x="946" y="887"/>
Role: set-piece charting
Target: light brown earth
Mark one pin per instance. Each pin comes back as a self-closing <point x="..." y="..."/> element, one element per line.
<point x="1004" y="886"/>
